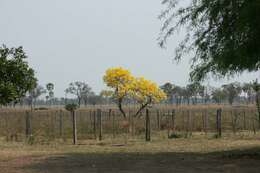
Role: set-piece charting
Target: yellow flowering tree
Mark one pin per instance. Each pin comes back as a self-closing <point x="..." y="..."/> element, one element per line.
<point x="125" y="85"/>
<point x="146" y="92"/>
<point x="120" y="81"/>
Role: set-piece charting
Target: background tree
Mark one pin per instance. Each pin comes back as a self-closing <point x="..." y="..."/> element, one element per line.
<point x="187" y="93"/>
<point x="203" y="93"/>
<point x="178" y="93"/>
<point x="249" y="90"/>
<point x="218" y="95"/>
<point x="207" y="93"/>
<point x="86" y="94"/>
<point x="50" y="88"/>
<point x="94" y="99"/>
<point x="225" y="35"/>
<point x="17" y="78"/>
<point x="34" y="94"/>
<point x="79" y="89"/>
<point x="232" y="91"/>
<point x="193" y="90"/>
<point x="66" y="95"/>
<point x="168" y="90"/>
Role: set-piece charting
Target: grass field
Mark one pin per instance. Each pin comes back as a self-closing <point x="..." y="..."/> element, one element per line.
<point x="124" y="149"/>
<point x="239" y="153"/>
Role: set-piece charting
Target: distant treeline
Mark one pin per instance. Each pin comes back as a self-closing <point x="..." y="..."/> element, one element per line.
<point x="196" y="93"/>
<point x="191" y="94"/>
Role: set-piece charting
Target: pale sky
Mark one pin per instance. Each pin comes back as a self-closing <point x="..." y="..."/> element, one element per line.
<point x="77" y="40"/>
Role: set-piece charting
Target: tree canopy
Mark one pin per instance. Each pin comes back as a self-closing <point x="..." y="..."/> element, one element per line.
<point x="34" y="94"/>
<point x="224" y="35"/>
<point x="16" y="77"/>
<point x="81" y="89"/>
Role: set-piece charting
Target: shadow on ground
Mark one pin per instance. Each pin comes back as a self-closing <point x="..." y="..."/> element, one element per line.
<point x="236" y="161"/>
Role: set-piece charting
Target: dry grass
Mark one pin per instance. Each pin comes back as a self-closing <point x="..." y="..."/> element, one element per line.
<point x="196" y="154"/>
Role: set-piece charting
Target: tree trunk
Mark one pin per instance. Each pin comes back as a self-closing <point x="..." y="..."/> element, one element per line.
<point x="79" y="101"/>
<point x="85" y="102"/>
<point x="158" y="120"/>
<point x="121" y="108"/>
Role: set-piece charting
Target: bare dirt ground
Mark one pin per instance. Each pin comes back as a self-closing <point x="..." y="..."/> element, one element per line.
<point x="178" y="155"/>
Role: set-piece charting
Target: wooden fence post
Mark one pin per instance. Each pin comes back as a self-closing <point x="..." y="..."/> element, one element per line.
<point x="99" y="115"/>
<point x="188" y="123"/>
<point x="53" y="123"/>
<point x="253" y="121"/>
<point x="218" y="120"/>
<point x="183" y="120"/>
<point x="109" y="113"/>
<point x="74" y="122"/>
<point x="191" y="116"/>
<point x="207" y="123"/>
<point x="94" y="125"/>
<point x="234" y="120"/>
<point x="158" y="120"/>
<point x="147" y="126"/>
<point x="61" y="123"/>
<point x="90" y="118"/>
<point x="173" y="120"/>
<point x="28" y="124"/>
<point x="203" y="120"/>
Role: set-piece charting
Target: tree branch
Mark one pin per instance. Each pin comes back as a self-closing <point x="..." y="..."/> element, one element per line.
<point x="143" y="106"/>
